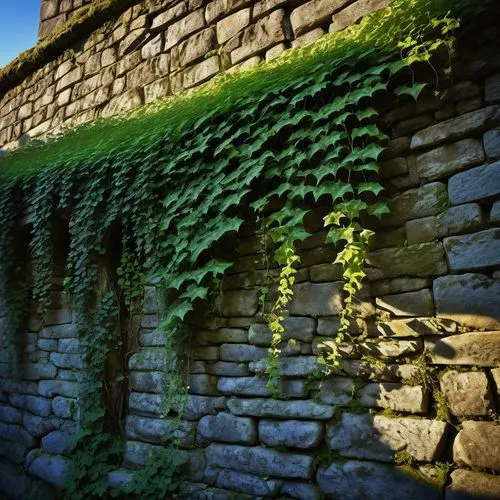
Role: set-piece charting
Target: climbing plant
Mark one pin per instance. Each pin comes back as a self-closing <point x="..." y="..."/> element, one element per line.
<point x="181" y="177"/>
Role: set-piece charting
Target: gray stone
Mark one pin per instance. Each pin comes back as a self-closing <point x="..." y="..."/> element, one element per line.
<point x="148" y="404"/>
<point x="475" y="184"/>
<point x="462" y="218"/>
<point x="199" y="406"/>
<point x="495" y="212"/>
<point x="328" y="345"/>
<point x="243" y="386"/>
<point x="301" y="491"/>
<point x="449" y="159"/>
<point x="291" y="367"/>
<point x="239" y="303"/>
<point x="51" y="388"/>
<point x="147" y="381"/>
<point x="228" y="428"/>
<point x="37" y="371"/>
<point x="335" y="390"/>
<point x="10" y="415"/>
<point x="59" y="331"/>
<point x="148" y="359"/>
<point x="426" y="259"/>
<point x="492" y="88"/>
<point x="210" y="353"/>
<point x="48" y="344"/>
<point x="473" y="251"/>
<point x="491" y="141"/>
<point x="194" y="48"/>
<point x="416" y="327"/>
<point x="183" y="28"/>
<point x="474" y="445"/>
<point x="247" y="483"/>
<point x="258" y="407"/>
<point x="475" y="348"/>
<point x="57" y="442"/>
<point x="397" y="397"/>
<point x="418" y="303"/>
<point x="259" y="460"/>
<point x="377" y="437"/>
<point x="391" y="348"/>
<point x="203" y="384"/>
<point x="456" y="128"/>
<point x="312" y="14"/>
<point x="119" y="478"/>
<point x="38" y="426"/>
<point x="316" y="299"/>
<point x="467" y="485"/>
<point x="163" y="19"/>
<point x="290" y="433"/>
<point x="354" y="12"/>
<point x="378" y="371"/>
<point x="38" y="406"/>
<point x="223" y="335"/>
<point x="58" y="317"/>
<point x="241" y="352"/>
<point x="228" y="369"/>
<point x="325" y="272"/>
<point x="160" y="431"/>
<point x="64" y="407"/>
<point x="74" y="361"/>
<point x="16" y="433"/>
<point x="422" y="230"/>
<point x="352" y="480"/>
<point x="466" y="393"/>
<point x="479" y="293"/>
<point x="50" y="468"/>
<point x="200" y="72"/>
<point x="296" y="328"/>
<point x="71" y="346"/>
<point x="137" y="453"/>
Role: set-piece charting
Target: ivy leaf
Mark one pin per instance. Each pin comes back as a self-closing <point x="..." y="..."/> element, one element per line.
<point x="413" y="90"/>
<point x="369" y="187"/>
<point x="379" y="209"/>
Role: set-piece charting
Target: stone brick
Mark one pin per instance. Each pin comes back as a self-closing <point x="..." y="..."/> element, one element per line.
<point x="239" y="303"/>
<point x="233" y="24"/>
<point x="466" y="485"/>
<point x="259" y="460"/>
<point x="462" y="218"/>
<point x="183" y="28"/>
<point x="219" y="8"/>
<point x="241" y="352"/>
<point x="422" y="230"/>
<point x="492" y="88"/>
<point x="335" y="390"/>
<point x="391" y="348"/>
<point x="65" y="407"/>
<point x="74" y="361"/>
<point x="308" y="38"/>
<point x="355" y="12"/>
<point x="147" y="381"/>
<point x="210" y="353"/>
<point x="397" y="397"/>
<point x="316" y="299"/>
<point x="157" y="89"/>
<point x="153" y="47"/>
<point x="475" y="184"/>
<point x="377" y="437"/>
<point x="352" y="480"/>
<point x="228" y="369"/>
<point x="248" y="483"/>
<point x="260" y="36"/>
<point x="129" y="100"/>
<point x="415" y="327"/>
<point x="449" y="159"/>
<point x="199" y="406"/>
<point x="69" y="79"/>
<point x="128" y="63"/>
<point x="418" y="303"/>
<point x="474" y="447"/>
<point x="264" y="6"/>
<point x="228" y="428"/>
<point x="466" y="393"/>
<point x="325" y="272"/>
<point x="57" y="442"/>
<point x="295" y="366"/>
<point x="290" y="433"/>
<point x="475" y="348"/>
<point x="162" y="20"/>
<point x="159" y="430"/>
<point x="37" y="371"/>
<point x="50" y="468"/>
<point x="393" y="167"/>
<point x="243" y="386"/>
<point x="297" y="328"/>
<point x="456" y="128"/>
<point x="495" y="212"/>
<point x="491" y="141"/>
<point x="311" y="14"/>
<point x="194" y="48"/>
<point x="51" y="388"/>
<point x="480" y="293"/>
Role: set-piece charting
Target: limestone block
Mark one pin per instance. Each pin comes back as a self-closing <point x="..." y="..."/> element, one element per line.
<point x="157" y="89"/>
<point x="495" y="212"/>
<point x="466" y="485"/>
<point x="159" y="430"/>
<point x="457" y="128"/>
<point x="466" y="393"/>
<point x="325" y="272"/>
<point x="199" y="406"/>
<point x="51" y="388"/>
<point x="478" y="293"/>
<point x="219" y="8"/>
<point x="48" y="345"/>
<point x="232" y="24"/>
<point x="316" y="299"/>
<point x="475" y="184"/>
<point x="71" y="346"/>
<point x="241" y="352"/>
<point x="181" y="29"/>
<point x="291" y="367"/>
<point x="163" y="19"/>
<point x="297" y="328"/>
<point x="239" y="303"/>
<point x="132" y="41"/>
<point x="50" y="468"/>
<point x="311" y="14"/>
<point x="491" y="141"/>
<point x="377" y="371"/>
<point x="49" y="8"/>
<point x="259" y="407"/>
<point x="476" y="445"/>
<point x="418" y="303"/>
<point x="415" y="327"/>
<point x="397" y="397"/>
<point x="474" y="348"/>
<point x="146" y="404"/>
<point x="202" y="384"/>
<point x="147" y="381"/>
<point x="129" y="100"/>
<point x="248" y="483"/>
<point x="37" y="371"/>
<point x="335" y="390"/>
<point x="39" y="426"/>
<point x="290" y="433"/>
<point x="243" y="386"/>
<point x="264" y="6"/>
<point x="259" y="460"/>
<point x="59" y="331"/>
<point x="228" y="428"/>
<point x="69" y="79"/>
<point x="391" y="348"/>
<point x="308" y="38"/>
<point x="194" y="48"/>
<point x="128" y="63"/>
<point x="352" y="480"/>
<point x="449" y="159"/>
<point x="370" y="437"/>
<point x="355" y="12"/>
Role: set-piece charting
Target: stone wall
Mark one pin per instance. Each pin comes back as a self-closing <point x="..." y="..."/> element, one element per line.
<point x="54" y="13"/>
<point x="391" y="416"/>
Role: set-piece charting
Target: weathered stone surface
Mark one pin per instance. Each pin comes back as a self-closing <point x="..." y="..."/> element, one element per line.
<point x="148" y="359"/>
<point x="316" y="299"/>
<point x="415" y="327"/>
<point x="243" y="386"/>
<point x="397" y="397"/>
<point x="325" y="272"/>
<point x="239" y="303"/>
<point x="51" y="469"/>
<point x="223" y="335"/>
<point x="10" y="415"/>
<point x="491" y="141"/>
<point x="163" y="19"/>
<point x="422" y="230"/>
<point x="259" y="460"/>
<point x="158" y="431"/>
<point x="301" y="491"/>
<point x="354" y="479"/>
<point x="475" y="348"/>
<point x="335" y="390"/>
<point x="462" y="218"/>
<point x="391" y="348"/>
<point x="466" y="393"/>
<point x="74" y="361"/>
<point x="203" y="384"/>
<point x="456" y="128"/>
<point x="199" y="406"/>
<point x="51" y="388"/>
<point x="290" y="433"/>
<point x="241" y="352"/>
<point x="59" y="331"/>
<point x="259" y="407"/>
<point x="467" y="485"/>
<point x="377" y="437"/>
<point x="156" y="89"/>
<point x="210" y="353"/>
<point x="14" y="452"/>
<point x="71" y="346"/>
<point x="16" y="433"/>
<point x="37" y="371"/>
<point x="49" y="345"/>
<point x="119" y="478"/>
<point x="296" y="328"/>
<point x="469" y="299"/>
<point x="230" y="25"/>
<point x="183" y="28"/>
<point x="228" y="369"/>
<point x="311" y="14"/>
<point x="247" y="483"/>
<point x="473" y="251"/>
<point x="492" y="88"/>
<point x="64" y="407"/>
<point x="308" y="38"/>
<point x="131" y="99"/>
<point x="38" y="426"/>
<point x="194" y="48"/>
<point x="426" y="259"/>
<point x="147" y="381"/>
<point x="495" y="212"/>
<point x="36" y="405"/>
<point x="418" y="303"/>
<point x="228" y="428"/>
<point x="146" y="404"/>
<point x="290" y="367"/>
<point x="449" y="159"/>
<point x="57" y="442"/>
<point x="355" y="12"/>
<point x="475" y="184"/>
<point x="476" y="445"/>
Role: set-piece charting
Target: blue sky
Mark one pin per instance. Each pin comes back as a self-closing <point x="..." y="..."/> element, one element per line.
<point x="18" y="27"/>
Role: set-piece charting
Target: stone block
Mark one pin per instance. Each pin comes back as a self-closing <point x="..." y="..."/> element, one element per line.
<point x="335" y="391"/>
<point x="457" y="128"/>
<point x="49" y="345"/>
<point x="473" y="251"/>
<point x="153" y="47"/>
<point x="475" y="184"/>
<point x="241" y="352"/>
<point x="239" y="303"/>
<point x="157" y="89"/>
<point x="290" y="433"/>
<point x="316" y="299"/>
<point x="219" y="8"/>
<point x="148" y="359"/>
<point x="491" y="141"/>
<point x="492" y="88"/>
<point x="14" y="452"/>
<point x="199" y="406"/>
<point x="146" y="404"/>
<point x="73" y="361"/>
<point x="119" y="478"/>
<point x="449" y="159"/>
<point x="391" y="348"/>
<point x="202" y="384"/>
<point x="147" y="381"/>
<point x="194" y="48"/>
<point x="50" y="468"/>
<point x="461" y="218"/>
<point x="473" y="348"/>
<point x="297" y="328"/>
<point x="397" y="397"/>
<point x="416" y="327"/>
<point x="37" y="371"/>
<point x="354" y="12"/>
<point x="422" y="230"/>
<point x="16" y="433"/>
<point x="248" y="483"/>
<point x="36" y="405"/>
<point x="71" y="346"/>
<point x="243" y="386"/>
<point x="210" y="353"/>
<point x="311" y="14"/>
<point x="228" y="369"/>
<point x="370" y="437"/>
<point x="466" y="393"/>
<point x="308" y="38"/>
<point x="57" y="442"/>
<point x="467" y="485"/>
<point x="259" y="407"/>
<point x="495" y="212"/>
<point x="232" y="24"/>
<point x="418" y="303"/>
<point x="51" y="388"/>
<point x="325" y="272"/>
<point x="183" y="28"/>
<point x="475" y="445"/>
<point x="352" y="480"/>
<point x="59" y="331"/>
<point x="296" y="366"/>
<point x="228" y="428"/>
<point x="10" y="415"/>
<point x="65" y="407"/>
<point x="162" y="20"/>
<point x="159" y="430"/>
<point x="221" y="336"/>
<point x="131" y="99"/>
<point x="259" y="460"/>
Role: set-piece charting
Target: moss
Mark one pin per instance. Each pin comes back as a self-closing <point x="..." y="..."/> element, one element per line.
<point x="435" y="475"/>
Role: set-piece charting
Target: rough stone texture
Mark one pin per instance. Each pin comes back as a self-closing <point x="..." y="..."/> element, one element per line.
<point x="475" y="445"/>
<point x="198" y="406"/>
<point x="491" y="141"/>
<point x="50" y="468"/>
<point x="316" y="299"/>
<point x="228" y="428"/>
<point x="295" y="328"/>
<point x="354" y="12"/>
<point x="462" y="218"/>
<point x="377" y="437"/>
<point x="391" y="348"/>
<point x="241" y="352"/>
<point x="309" y="15"/>
<point x="56" y="442"/>
<point x="336" y="390"/>
<point x="466" y="393"/>
<point x="480" y="293"/>
<point x="397" y="397"/>
<point x="354" y="479"/>
<point x="408" y="304"/>
<point x="416" y="327"/>
<point x="243" y="386"/>
<point x="240" y="303"/>
<point x="476" y="348"/>
<point x="290" y="433"/>
<point x="159" y="431"/>
<point x="467" y="485"/>
<point x="475" y="184"/>
<point x="247" y="483"/>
